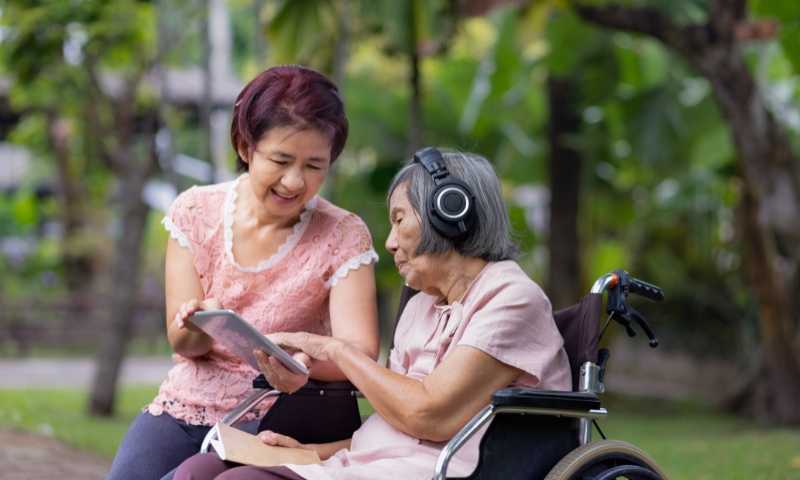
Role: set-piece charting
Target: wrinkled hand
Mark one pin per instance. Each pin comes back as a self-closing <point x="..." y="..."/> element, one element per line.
<point x="278" y="440"/>
<point x="279" y="376"/>
<point x="189" y="308"/>
<point x="318" y="347"/>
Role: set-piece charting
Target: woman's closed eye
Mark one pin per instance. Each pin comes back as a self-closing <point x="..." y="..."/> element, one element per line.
<point x="279" y="162"/>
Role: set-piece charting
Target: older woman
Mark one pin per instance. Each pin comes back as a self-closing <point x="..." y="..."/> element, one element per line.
<point x="267" y="247"/>
<point x="479" y="325"/>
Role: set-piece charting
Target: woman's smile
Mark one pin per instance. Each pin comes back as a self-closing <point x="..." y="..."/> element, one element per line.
<point x="284" y="198"/>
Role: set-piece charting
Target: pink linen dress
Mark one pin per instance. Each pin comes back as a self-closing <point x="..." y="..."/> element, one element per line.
<point x="287" y="292"/>
<point x="504" y="314"/>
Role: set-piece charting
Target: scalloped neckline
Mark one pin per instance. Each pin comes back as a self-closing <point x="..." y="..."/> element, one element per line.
<point x="283" y="249"/>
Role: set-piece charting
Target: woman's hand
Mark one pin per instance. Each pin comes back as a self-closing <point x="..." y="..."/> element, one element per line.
<point x="278" y="440"/>
<point x="318" y="347"/>
<point x="189" y="308"/>
<point x="324" y="450"/>
<point x="279" y="376"/>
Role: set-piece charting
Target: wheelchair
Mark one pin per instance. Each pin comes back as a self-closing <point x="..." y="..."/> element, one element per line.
<point x="532" y="434"/>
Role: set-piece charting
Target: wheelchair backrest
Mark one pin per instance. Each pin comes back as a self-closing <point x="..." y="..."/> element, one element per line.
<point x="580" y="326"/>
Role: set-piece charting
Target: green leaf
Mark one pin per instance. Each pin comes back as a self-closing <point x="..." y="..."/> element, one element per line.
<point x="24" y="209"/>
<point x="298" y="23"/>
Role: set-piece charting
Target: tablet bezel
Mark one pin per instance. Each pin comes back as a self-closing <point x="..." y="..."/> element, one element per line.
<point x="249" y="334"/>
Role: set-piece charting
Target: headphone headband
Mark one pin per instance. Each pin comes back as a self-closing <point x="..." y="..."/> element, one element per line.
<point x="432" y="160"/>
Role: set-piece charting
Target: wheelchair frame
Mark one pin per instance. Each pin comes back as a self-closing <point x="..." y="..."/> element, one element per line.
<point x="590" y="383"/>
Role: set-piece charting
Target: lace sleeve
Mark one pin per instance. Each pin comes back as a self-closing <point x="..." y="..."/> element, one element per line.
<point x="180" y="217"/>
<point x="353" y="250"/>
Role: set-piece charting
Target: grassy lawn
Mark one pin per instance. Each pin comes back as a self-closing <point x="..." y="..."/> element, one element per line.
<point x="689" y="441"/>
<point x="697" y="443"/>
<point x="62" y="415"/>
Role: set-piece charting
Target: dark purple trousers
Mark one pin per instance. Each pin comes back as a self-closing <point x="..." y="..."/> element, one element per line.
<point x="208" y="466"/>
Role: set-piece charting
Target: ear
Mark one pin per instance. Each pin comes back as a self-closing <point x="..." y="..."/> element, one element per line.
<point x="244" y="155"/>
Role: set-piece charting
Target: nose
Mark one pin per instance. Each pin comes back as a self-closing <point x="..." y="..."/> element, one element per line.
<point x="293" y="178"/>
<point x="391" y="241"/>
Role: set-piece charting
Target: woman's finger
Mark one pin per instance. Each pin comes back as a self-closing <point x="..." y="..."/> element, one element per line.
<point x="303" y="358"/>
<point x="210" y="304"/>
<point x="311" y="345"/>
<point x="192" y="306"/>
<point x="276" y="439"/>
<point x="283" y="339"/>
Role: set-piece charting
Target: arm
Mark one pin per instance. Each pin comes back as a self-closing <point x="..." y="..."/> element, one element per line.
<point x="184" y="297"/>
<point x="354" y="319"/>
<point x="433" y="409"/>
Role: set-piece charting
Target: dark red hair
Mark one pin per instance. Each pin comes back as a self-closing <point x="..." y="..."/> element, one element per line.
<point x="288" y="96"/>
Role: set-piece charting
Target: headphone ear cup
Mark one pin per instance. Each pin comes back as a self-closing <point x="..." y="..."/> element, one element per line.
<point x="451" y="208"/>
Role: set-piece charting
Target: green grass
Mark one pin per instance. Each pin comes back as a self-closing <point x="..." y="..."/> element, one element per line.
<point x="62" y="415"/>
<point x="689" y="441"/>
<point x="693" y="441"/>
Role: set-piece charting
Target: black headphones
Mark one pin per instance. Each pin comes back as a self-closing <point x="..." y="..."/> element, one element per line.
<point x="451" y="203"/>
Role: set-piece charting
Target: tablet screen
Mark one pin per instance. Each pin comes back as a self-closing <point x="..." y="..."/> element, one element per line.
<point x="241" y="338"/>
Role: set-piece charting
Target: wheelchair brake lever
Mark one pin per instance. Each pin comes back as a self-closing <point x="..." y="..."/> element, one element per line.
<point x="624" y="319"/>
<point x="638" y="318"/>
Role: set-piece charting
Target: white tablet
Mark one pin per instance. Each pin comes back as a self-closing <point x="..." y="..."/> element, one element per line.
<point x="241" y="338"/>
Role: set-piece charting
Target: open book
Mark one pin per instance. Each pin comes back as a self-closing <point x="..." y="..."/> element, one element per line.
<point x="241" y="447"/>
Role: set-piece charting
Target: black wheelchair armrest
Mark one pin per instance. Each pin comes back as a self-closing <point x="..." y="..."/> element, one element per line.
<point x="548" y="399"/>
<point x="261" y="382"/>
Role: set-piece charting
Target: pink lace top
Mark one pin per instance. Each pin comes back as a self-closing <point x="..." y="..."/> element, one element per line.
<point x="287" y="292"/>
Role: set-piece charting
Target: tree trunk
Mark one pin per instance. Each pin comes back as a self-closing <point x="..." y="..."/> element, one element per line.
<point x="206" y="103"/>
<point x="259" y="45"/>
<point x="77" y="255"/>
<point x="122" y="299"/>
<point x="773" y="320"/>
<point x="769" y="168"/>
<point x="565" y="172"/>
<point x="415" y="113"/>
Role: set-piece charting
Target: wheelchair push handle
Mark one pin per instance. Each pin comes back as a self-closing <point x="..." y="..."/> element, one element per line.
<point x="646" y="290"/>
<point x="628" y="284"/>
<point x="619" y="284"/>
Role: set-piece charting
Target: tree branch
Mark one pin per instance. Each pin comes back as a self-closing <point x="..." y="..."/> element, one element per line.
<point x="647" y="21"/>
<point x="723" y="16"/>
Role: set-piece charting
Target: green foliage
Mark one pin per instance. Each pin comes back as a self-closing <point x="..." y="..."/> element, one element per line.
<point x="24" y="209"/>
<point x="787" y="13"/>
<point x="407" y="24"/>
<point x="300" y="27"/>
<point x="659" y="189"/>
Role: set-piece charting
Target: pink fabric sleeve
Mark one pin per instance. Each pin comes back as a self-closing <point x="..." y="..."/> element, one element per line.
<point x="181" y="217"/>
<point x="515" y="325"/>
<point x="350" y="245"/>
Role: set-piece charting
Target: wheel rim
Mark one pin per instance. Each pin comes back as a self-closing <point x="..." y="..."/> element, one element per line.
<point x="630" y="472"/>
<point x="603" y="467"/>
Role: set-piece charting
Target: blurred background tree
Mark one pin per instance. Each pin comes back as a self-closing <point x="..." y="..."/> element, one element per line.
<point x="656" y="137"/>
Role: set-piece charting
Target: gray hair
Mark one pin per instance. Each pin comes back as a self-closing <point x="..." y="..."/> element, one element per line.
<point x="490" y="238"/>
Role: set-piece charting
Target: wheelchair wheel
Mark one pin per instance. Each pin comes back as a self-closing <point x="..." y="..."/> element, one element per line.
<point x="606" y="460"/>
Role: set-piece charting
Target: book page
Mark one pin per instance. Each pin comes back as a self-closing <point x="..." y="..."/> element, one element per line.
<point x="241" y="447"/>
